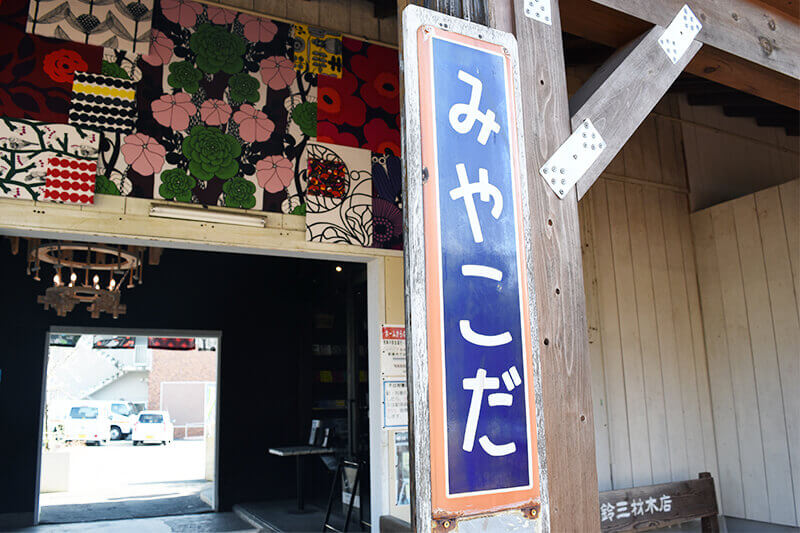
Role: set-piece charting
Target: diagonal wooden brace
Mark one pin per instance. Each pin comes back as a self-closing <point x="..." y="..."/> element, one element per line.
<point x="745" y="28"/>
<point x="620" y="95"/>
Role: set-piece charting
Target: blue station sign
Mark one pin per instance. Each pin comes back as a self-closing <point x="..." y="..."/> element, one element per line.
<point x="484" y="453"/>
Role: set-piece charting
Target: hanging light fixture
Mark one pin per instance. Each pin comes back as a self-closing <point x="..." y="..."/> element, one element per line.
<point x="93" y="260"/>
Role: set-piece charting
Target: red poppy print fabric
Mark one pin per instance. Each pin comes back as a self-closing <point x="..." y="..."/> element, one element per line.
<point x="36" y="73"/>
<point x="362" y="108"/>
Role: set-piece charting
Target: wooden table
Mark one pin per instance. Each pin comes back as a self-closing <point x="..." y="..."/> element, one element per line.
<point x="300" y="452"/>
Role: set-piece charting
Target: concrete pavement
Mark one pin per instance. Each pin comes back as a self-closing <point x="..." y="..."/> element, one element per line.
<point x="196" y="523"/>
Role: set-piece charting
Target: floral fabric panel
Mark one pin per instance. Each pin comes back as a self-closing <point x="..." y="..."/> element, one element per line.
<point x="217" y="101"/>
<point x="103" y="103"/>
<point x="29" y="148"/>
<point x="120" y="24"/>
<point x="341" y="212"/>
<point x="36" y="73"/>
<point x="362" y="108"/>
<point x="317" y="50"/>
<point x="70" y="181"/>
<point x="121" y="64"/>
<point x="286" y="178"/>
<point x="387" y="202"/>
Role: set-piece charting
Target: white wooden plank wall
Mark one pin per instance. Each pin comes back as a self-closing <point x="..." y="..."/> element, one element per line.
<point x="649" y="379"/>
<point x="748" y="261"/>
<point x="355" y="17"/>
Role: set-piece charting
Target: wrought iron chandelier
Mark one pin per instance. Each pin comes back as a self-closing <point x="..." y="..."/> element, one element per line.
<point x="91" y="274"/>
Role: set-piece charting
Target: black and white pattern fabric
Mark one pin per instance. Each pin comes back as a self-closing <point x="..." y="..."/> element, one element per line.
<point x="103" y="102"/>
<point x="120" y="24"/>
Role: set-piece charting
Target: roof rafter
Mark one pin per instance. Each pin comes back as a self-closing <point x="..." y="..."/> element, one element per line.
<point x="601" y="24"/>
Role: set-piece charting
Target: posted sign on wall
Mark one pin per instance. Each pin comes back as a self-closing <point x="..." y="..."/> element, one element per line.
<point x="483" y="436"/>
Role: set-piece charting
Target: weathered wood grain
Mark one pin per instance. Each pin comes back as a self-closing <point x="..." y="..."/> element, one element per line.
<point x="599" y="391"/>
<point x="748" y="29"/>
<point x="691" y="499"/>
<point x="566" y="376"/>
<point x="621" y="94"/>
<point x="603" y="25"/>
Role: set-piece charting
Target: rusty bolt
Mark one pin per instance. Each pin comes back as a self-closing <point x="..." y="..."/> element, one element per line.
<point x="444" y="524"/>
<point x="531" y="512"/>
<point x="766" y="45"/>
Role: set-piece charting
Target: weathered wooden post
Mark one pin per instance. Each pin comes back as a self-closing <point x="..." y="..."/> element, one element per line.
<point x="551" y="245"/>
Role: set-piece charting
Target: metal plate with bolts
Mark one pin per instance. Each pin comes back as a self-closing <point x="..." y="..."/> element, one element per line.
<point x="573" y="158"/>
<point x="680" y="33"/>
<point x="539" y="10"/>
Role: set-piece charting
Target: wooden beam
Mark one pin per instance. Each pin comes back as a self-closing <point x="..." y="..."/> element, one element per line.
<point x="748" y="29"/>
<point x="558" y="273"/>
<point x="154" y="255"/>
<point x="621" y="93"/>
<point x="603" y="25"/>
<point x="790" y="7"/>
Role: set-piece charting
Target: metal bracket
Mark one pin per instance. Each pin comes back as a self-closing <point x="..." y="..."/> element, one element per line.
<point x="573" y="158"/>
<point x="539" y="10"/>
<point x="680" y="33"/>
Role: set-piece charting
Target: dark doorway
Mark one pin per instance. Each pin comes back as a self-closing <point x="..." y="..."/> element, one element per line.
<point x="265" y="309"/>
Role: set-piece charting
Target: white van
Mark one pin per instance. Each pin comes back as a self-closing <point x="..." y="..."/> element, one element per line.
<point x="87" y="423"/>
<point x="123" y="416"/>
<point x="120" y="415"/>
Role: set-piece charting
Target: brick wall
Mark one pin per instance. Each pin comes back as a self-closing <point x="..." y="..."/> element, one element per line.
<point x="179" y="365"/>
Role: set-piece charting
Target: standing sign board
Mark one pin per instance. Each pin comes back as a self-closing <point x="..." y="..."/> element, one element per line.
<point x="473" y="254"/>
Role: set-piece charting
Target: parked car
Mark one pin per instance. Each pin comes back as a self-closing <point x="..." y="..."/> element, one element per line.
<point x="121" y="414"/>
<point x="153" y="426"/>
<point x="87" y="423"/>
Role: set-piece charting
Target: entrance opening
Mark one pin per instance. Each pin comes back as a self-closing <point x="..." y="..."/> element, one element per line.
<point x="294" y="373"/>
<point x="129" y="426"/>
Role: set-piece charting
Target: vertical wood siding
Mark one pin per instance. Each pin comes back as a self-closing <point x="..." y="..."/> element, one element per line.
<point x="650" y="383"/>
<point x="748" y="264"/>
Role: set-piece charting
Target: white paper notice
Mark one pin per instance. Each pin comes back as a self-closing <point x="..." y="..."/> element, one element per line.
<point x="395" y="404"/>
<point x="393" y="351"/>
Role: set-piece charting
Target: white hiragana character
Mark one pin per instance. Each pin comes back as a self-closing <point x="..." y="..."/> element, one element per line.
<point x="477" y="385"/>
<point x="650" y="505"/>
<point x="622" y="509"/>
<point x="482" y="271"/>
<point x="471" y="111"/>
<point x="666" y="503"/>
<point x="607" y="512"/>
<point x="638" y="507"/>
<point x="467" y="190"/>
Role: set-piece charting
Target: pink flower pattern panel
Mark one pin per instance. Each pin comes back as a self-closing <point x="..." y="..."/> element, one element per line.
<point x="277" y="72"/>
<point x="254" y="125"/>
<point x="274" y="173"/>
<point x="215" y="112"/>
<point x="161" y="48"/>
<point x="174" y="110"/>
<point x="143" y="153"/>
